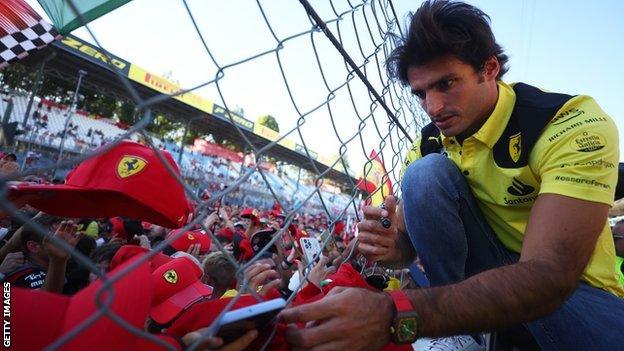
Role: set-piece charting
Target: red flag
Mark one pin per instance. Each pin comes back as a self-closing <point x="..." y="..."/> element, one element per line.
<point x="375" y="180"/>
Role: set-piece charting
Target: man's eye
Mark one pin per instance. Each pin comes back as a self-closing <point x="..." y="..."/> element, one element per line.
<point x="447" y="84"/>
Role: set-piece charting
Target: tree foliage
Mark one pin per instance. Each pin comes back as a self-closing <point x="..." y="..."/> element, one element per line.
<point x="20" y="78"/>
<point x="268" y="121"/>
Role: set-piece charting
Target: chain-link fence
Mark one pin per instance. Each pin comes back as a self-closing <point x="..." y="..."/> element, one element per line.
<point x="342" y="97"/>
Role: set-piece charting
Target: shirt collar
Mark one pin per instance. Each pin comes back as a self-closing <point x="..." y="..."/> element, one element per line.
<point x="494" y="126"/>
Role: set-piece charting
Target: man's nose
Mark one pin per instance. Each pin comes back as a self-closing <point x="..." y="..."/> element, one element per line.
<point x="434" y="105"/>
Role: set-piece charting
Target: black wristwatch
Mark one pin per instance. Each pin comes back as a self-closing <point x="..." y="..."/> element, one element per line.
<point x="404" y="328"/>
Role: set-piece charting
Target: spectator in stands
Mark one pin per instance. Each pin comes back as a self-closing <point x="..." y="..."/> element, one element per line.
<point x="36" y="115"/>
<point x="8" y="164"/>
<point x="491" y="267"/>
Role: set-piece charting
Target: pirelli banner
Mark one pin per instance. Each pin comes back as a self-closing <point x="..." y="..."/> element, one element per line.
<point x="165" y="86"/>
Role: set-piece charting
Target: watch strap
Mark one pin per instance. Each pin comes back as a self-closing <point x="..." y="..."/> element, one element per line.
<point x="401" y="302"/>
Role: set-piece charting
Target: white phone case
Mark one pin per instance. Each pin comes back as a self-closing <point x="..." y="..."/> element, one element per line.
<point x="311" y="248"/>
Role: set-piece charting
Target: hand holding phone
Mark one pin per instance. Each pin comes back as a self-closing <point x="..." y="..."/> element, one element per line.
<point x="260" y="316"/>
<point x="311" y="248"/>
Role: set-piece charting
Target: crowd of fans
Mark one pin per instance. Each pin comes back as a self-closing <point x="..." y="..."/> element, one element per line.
<point x="199" y="255"/>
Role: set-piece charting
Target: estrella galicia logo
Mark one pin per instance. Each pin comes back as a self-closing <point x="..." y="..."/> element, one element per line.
<point x="518" y="188"/>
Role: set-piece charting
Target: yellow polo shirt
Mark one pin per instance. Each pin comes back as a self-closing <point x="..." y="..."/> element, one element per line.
<point x="575" y="155"/>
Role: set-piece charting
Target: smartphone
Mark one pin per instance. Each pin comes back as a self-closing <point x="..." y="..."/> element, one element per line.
<point x="311" y="249"/>
<point x="260" y="316"/>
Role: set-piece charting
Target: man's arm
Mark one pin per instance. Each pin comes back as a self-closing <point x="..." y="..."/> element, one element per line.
<point x="559" y="240"/>
<point x="55" y="276"/>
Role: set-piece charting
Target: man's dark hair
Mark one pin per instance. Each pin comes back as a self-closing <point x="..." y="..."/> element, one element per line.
<point x="446" y="28"/>
<point x="106" y="252"/>
<point x="29" y="233"/>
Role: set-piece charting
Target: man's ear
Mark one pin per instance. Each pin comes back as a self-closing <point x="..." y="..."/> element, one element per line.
<point x="491" y="68"/>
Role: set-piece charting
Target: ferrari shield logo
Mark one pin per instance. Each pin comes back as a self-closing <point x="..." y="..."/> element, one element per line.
<point x="171" y="276"/>
<point x="515" y="146"/>
<point x="130" y="165"/>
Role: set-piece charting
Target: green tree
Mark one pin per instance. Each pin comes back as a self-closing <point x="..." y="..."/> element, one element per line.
<point x="165" y="127"/>
<point x="269" y="122"/>
<point x="125" y="112"/>
<point x="17" y="77"/>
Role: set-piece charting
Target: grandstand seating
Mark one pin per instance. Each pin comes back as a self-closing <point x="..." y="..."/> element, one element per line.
<point x="193" y="165"/>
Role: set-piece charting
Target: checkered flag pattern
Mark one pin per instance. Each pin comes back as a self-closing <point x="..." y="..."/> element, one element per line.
<point x="22" y="31"/>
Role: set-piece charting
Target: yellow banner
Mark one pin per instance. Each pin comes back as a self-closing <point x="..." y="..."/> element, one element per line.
<point x="272" y="135"/>
<point x="265" y="132"/>
<point x="165" y="86"/>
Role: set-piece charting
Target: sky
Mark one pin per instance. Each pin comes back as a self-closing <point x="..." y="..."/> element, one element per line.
<point x="567" y="46"/>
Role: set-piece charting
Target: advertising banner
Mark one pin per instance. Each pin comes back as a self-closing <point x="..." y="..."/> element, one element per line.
<point x="165" y="86"/>
<point x="94" y="54"/>
<point x="238" y="119"/>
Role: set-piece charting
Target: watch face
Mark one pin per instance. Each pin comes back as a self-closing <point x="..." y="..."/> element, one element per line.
<point x="406" y="329"/>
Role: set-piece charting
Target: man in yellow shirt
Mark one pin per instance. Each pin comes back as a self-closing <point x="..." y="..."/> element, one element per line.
<point x="505" y="197"/>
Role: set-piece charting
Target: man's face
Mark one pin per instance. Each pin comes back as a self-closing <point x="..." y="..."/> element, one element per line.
<point x="456" y="97"/>
<point x="103" y="265"/>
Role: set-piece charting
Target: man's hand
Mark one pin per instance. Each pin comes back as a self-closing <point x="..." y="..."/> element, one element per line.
<point x="261" y="274"/>
<point x="319" y="272"/>
<point x="11" y="262"/>
<point x="144" y="242"/>
<point x="381" y="244"/>
<point x="68" y="232"/>
<point x="347" y="319"/>
<point x="211" y="220"/>
<point x="193" y="250"/>
<point x="215" y="343"/>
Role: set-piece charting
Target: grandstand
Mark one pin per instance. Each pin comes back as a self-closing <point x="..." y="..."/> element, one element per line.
<point x="203" y="171"/>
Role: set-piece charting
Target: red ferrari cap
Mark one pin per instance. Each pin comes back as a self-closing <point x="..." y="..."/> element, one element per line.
<point x="128" y="180"/>
<point x="227" y="233"/>
<point x="278" y="214"/>
<point x="249" y="212"/>
<point x="203" y="313"/>
<point x="177" y="286"/>
<point x="188" y="238"/>
<point x="127" y="252"/>
<point x="118" y="228"/>
<point x="38" y="318"/>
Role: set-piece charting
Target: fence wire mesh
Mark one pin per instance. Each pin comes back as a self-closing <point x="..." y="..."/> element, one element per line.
<point x="343" y="98"/>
